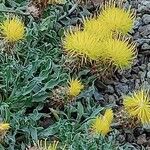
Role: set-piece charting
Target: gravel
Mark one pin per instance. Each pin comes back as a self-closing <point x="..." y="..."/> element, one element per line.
<point x="139" y="75"/>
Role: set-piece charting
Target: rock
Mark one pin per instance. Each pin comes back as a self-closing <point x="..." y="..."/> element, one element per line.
<point x="144" y="30"/>
<point x="142" y="139"/>
<point x="110" y="89"/>
<point x="111" y="99"/>
<point x="136" y="36"/>
<point x="121" y="89"/>
<point x="137" y="23"/>
<point x="143" y="67"/>
<point x="148" y="67"/>
<point x="145" y="46"/>
<point x="148" y="75"/>
<point x="146" y="19"/>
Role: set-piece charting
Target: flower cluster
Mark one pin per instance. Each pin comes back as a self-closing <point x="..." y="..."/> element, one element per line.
<point x="13" y="29"/>
<point x="104" y="38"/>
<point x="138" y="106"/>
<point x="101" y="125"/>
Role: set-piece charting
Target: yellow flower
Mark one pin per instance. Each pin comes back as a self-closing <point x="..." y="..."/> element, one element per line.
<point x="117" y="19"/>
<point x="101" y="125"/>
<point x="4" y="127"/>
<point x="138" y="106"/>
<point x="84" y="44"/>
<point x="13" y="29"/>
<point x="75" y="87"/>
<point x="99" y="30"/>
<point x="119" y="52"/>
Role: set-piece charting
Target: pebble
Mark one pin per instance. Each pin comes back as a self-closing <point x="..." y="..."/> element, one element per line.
<point x="145" y="46"/>
<point x="146" y="18"/>
<point x="110" y="89"/>
<point x="144" y="30"/>
<point x="148" y="75"/>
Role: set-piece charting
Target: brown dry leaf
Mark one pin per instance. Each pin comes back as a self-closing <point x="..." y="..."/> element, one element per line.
<point x="36" y="7"/>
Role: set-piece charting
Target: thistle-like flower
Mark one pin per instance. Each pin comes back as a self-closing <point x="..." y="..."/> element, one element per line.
<point x="138" y="106"/>
<point x="4" y="127"/>
<point x="119" y="52"/>
<point x="117" y="19"/>
<point x="13" y="29"/>
<point x="83" y="44"/>
<point x="75" y="87"/>
<point x="94" y="26"/>
<point x="101" y="125"/>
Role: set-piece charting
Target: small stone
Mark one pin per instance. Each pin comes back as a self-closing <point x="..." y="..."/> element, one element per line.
<point x="142" y="139"/>
<point x="146" y="19"/>
<point x="111" y="99"/>
<point x="144" y="30"/>
<point x="143" y="67"/>
<point x="145" y="46"/>
<point x="121" y="89"/>
<point x="137" y="23"/>
<point x="110" y="89"/>
<point x="148" y="75"/>
<point x="136" y="36"/>
<point x="148" y="67"/>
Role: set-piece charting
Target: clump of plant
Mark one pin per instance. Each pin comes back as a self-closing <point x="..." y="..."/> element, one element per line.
<point x="103" y="41"/>
<point x="101" y="125"/>
<point x="117" y="18"/>
<point x="13" y="29"/>
<point x="138" y="106"/>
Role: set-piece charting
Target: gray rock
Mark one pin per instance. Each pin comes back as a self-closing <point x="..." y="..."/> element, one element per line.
<point x="143" y="67"/>
<point x="111" y="99"/>
<point x="137" y="23"/>
<point x="136" y="36"/>
<point x="145" y="46"/>
<point x="148" y="75"/>
<point x="110" y="89"/>
<point x="146" y="19"/>
<point x="144" y="30"/>
<point x="121" y="89"/>
<point x="148" y="67"/>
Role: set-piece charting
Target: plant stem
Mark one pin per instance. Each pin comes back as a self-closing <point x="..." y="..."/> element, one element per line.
<point x="69" y="12"/>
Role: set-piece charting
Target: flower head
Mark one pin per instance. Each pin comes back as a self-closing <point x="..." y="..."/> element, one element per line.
<point x="101" y="125"/>
<point x="75" y="87"/>
<point x="83" y="44"/>
<point x="4" y="127"/>
<point x="94" y="26"/>
<point x="119" y="52"/>
<point x="13" y="29"/>
<point x="138" y="106"/>
<point x="117" y="19"/>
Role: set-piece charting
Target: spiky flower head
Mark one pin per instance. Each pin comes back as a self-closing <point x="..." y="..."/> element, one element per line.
<point x="138" y="106"/>
<point x="101" y="124"/>
<point x="83" y="44"/>
<point x="117" y="19"/>
<point x="4" y="127"/>
<point x="119" y="52"/>
<point x="13" y="29"/>
<point x="75" y="87"/>
<point x="94" y="26"/>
